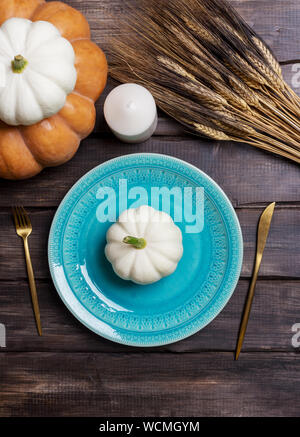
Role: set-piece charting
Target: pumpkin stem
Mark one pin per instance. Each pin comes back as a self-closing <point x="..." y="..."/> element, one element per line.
<point x="18" y="64"/>
<point x="138" y="243"/>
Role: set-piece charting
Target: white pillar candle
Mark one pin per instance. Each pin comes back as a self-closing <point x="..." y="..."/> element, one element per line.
<point x="130" y="112"/>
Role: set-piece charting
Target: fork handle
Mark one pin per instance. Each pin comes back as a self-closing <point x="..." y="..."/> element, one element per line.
<point x="32" y="286"/>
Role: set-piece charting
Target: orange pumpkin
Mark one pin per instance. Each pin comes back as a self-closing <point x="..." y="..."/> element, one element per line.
<point x="26" y="150"/>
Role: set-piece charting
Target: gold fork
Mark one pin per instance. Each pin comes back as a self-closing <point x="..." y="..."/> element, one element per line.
<point x="24" y="229"/>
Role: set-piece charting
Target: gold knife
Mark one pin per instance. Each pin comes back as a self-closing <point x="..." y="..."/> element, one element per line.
<point x="262" y="235"/>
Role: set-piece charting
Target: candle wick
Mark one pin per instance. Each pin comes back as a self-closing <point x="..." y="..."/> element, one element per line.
<point x="130" y="105"/>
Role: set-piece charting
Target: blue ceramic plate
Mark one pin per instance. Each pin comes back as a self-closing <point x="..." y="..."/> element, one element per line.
<point x="176" y="306"/>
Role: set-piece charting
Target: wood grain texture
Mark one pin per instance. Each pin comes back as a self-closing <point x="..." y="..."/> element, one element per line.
<point x="70" y="370"/>
<point x="54" y="384"/>
<point x="276" y="309"/>
<point x="247" y="175"/>
<point x="168" y="127"/>
<point x="281" y="256"/>
<point x="277" y="21"/>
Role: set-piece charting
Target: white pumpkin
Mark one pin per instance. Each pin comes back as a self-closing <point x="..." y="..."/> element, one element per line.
<point x="37" y="71"/>
<point x="144" y="245"/>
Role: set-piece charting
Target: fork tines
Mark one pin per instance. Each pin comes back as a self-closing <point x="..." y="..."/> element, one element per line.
<point x="20" y="217"/>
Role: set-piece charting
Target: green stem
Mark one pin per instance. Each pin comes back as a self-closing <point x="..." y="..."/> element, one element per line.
<point x="18" y="64"/>
<point x="138" y="243"/>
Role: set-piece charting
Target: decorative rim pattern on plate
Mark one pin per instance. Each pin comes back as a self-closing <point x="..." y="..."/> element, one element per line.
<point x="187" y="326"/>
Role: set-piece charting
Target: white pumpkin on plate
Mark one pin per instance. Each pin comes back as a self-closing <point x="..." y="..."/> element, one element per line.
<point x="37" y="71"/>
<point x="144" y="245"/>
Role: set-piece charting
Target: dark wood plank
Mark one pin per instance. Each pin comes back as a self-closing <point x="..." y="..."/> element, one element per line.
<point x="291" y="73"/>
<point x="246" y="174"/>
<point x="277" y="25"/>
<point x="281" y="256"/>
<point x="274" y="20"/>
<point x="282" y="239"/>
<point x="71" y="371"/>
<point x="107" y="385"/>
<point x="276" y="309"/>
<point x="218" y="159"/>
<point x="167" y="126"/>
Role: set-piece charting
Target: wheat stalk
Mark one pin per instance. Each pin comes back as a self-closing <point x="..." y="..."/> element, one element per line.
<point x="208" y="70"/>
<point x="268" y="56"/>
<point x="249" y="96"/>
<point x="211" y="133"/>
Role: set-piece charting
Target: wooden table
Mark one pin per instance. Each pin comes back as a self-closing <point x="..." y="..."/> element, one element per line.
<point x="70" y="370"/>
